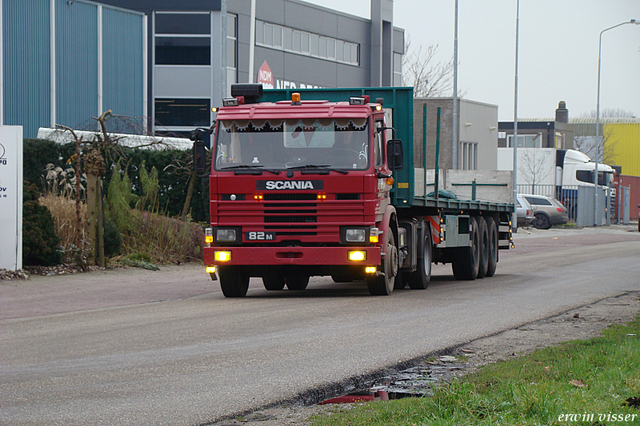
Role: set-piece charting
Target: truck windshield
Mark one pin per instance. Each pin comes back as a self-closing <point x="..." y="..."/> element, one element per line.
<point x="604" y="178"/>
<point x="273" y="144"/>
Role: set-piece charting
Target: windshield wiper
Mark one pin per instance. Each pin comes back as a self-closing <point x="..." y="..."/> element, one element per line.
<point x="250" y="168"/>
<point x="317" y="167"/>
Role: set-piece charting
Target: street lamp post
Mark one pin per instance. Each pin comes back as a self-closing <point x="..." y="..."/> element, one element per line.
<point x="514" y="223"/>
<point x="595" y="178"/>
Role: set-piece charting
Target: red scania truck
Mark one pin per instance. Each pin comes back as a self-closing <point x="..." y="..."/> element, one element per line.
<point x="317" y="182"/>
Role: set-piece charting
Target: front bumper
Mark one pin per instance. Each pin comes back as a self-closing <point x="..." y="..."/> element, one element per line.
<point x="311" y="256"/>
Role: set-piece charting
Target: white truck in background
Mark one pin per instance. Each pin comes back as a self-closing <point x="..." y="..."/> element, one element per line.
<point x="555" y="173"/>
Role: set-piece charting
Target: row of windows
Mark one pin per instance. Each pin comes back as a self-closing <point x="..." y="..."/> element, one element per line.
<point x="305" y="43"/>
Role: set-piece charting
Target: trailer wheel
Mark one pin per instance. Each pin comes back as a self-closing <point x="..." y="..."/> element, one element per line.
<point x="273" y="281"/>
<point x="421" y="278"/>
<point x="492" y="248"/>
<point x="233" y="281"/>
<point x="483" y="249"/>
<point x="382" y="284"/>
<point x="297" y="282"/>
<point x="465" y="264"/>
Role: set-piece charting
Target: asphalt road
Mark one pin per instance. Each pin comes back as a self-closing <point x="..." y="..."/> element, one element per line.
<point x="137" y="347"/>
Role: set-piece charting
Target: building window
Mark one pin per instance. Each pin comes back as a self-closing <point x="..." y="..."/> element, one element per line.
<point x="304" y="43"/>
<point x="182" y="38"/>
<point x="397" y="69"/>
<point x="232" y="49"/>
<point x="469" y="155"/>
<point x="183" y="51"/>
<point x="183" y="23"/>
<point x="182" y="112"/>
<point x="526" y="141"/>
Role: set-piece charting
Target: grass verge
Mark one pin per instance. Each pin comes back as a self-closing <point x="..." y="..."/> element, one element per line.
<point x="592" y="382"/>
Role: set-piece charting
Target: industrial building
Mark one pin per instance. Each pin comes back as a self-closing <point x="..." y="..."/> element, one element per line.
<point x="167" y="63"/>
<point x="66" y="61"/>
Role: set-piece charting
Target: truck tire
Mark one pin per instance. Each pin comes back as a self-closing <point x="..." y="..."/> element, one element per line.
<point x="273" y="281"/>
<point x="483" y="249"/>
<point x="297" y="282"/>
<point x="492" y="229"/>
<point x="382" y="283"/>
<point x="233" y="281"/>
<point x="420" y="279"/>
<point x="465" y="265"/>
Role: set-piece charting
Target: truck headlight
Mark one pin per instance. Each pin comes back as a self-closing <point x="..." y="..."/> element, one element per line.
<point x="226" y="235"/>
<point x="350" y="235"/>
<point x="355" y="235"/>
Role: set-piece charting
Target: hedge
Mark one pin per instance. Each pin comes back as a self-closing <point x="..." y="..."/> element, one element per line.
<point x="173" y="183"/>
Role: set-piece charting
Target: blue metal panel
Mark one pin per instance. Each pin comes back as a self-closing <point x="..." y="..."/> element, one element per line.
<point x="123" y="66"/>
<point x="26" y="85"/>
<point x="76" y="64"/>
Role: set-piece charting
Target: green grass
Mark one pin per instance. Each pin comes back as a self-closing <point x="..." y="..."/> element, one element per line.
<point x="589" y="379"/>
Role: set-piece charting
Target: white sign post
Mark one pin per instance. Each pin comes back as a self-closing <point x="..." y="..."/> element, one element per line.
<point x="11" y="197"/>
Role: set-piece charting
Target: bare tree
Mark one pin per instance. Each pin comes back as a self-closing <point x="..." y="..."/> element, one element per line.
<point x="428" y="77"/>
<point x="604" y="150"/>
<point x="535" y="167"/>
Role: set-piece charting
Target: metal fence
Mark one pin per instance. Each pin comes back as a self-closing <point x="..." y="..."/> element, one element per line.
<point x="567" y="195"/>
<point x="579" y="201"/>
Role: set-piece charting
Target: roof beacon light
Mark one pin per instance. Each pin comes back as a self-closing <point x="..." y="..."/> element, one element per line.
<point x="295" y="99"/>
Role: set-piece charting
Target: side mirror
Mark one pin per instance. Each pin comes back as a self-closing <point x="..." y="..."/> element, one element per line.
<point x="199" y="157"/>
<point x="395" y="158"/>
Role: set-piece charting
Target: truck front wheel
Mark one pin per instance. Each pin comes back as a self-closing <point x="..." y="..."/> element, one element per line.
<point x="382" y="283"/>
<point x="233" y="281"/>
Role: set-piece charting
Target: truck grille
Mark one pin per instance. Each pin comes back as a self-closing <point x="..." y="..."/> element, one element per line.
<point x="298" y="216"/>
<point x="291" y="213"/>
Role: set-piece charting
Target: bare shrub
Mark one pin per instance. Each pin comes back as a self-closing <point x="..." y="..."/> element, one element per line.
<point x="63" y="210"/>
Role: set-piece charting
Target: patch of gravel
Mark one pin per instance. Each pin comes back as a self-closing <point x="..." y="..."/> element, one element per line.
<point x="13" y="275"/>
<point x="61" y="269"/>
<point x="417" y="377"/>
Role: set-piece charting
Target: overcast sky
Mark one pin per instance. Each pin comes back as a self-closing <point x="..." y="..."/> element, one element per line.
<point x="558" y="50"/>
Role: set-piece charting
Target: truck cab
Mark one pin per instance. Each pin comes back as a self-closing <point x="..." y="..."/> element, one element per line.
<point x="301" y="188"/>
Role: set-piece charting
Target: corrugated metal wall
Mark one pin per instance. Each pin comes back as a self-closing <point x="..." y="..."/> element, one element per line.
<point x="623" y="144"/>
<point x="76" y="64"/>
<point x="123" y="62"/>
<point x="26" y="87"/>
